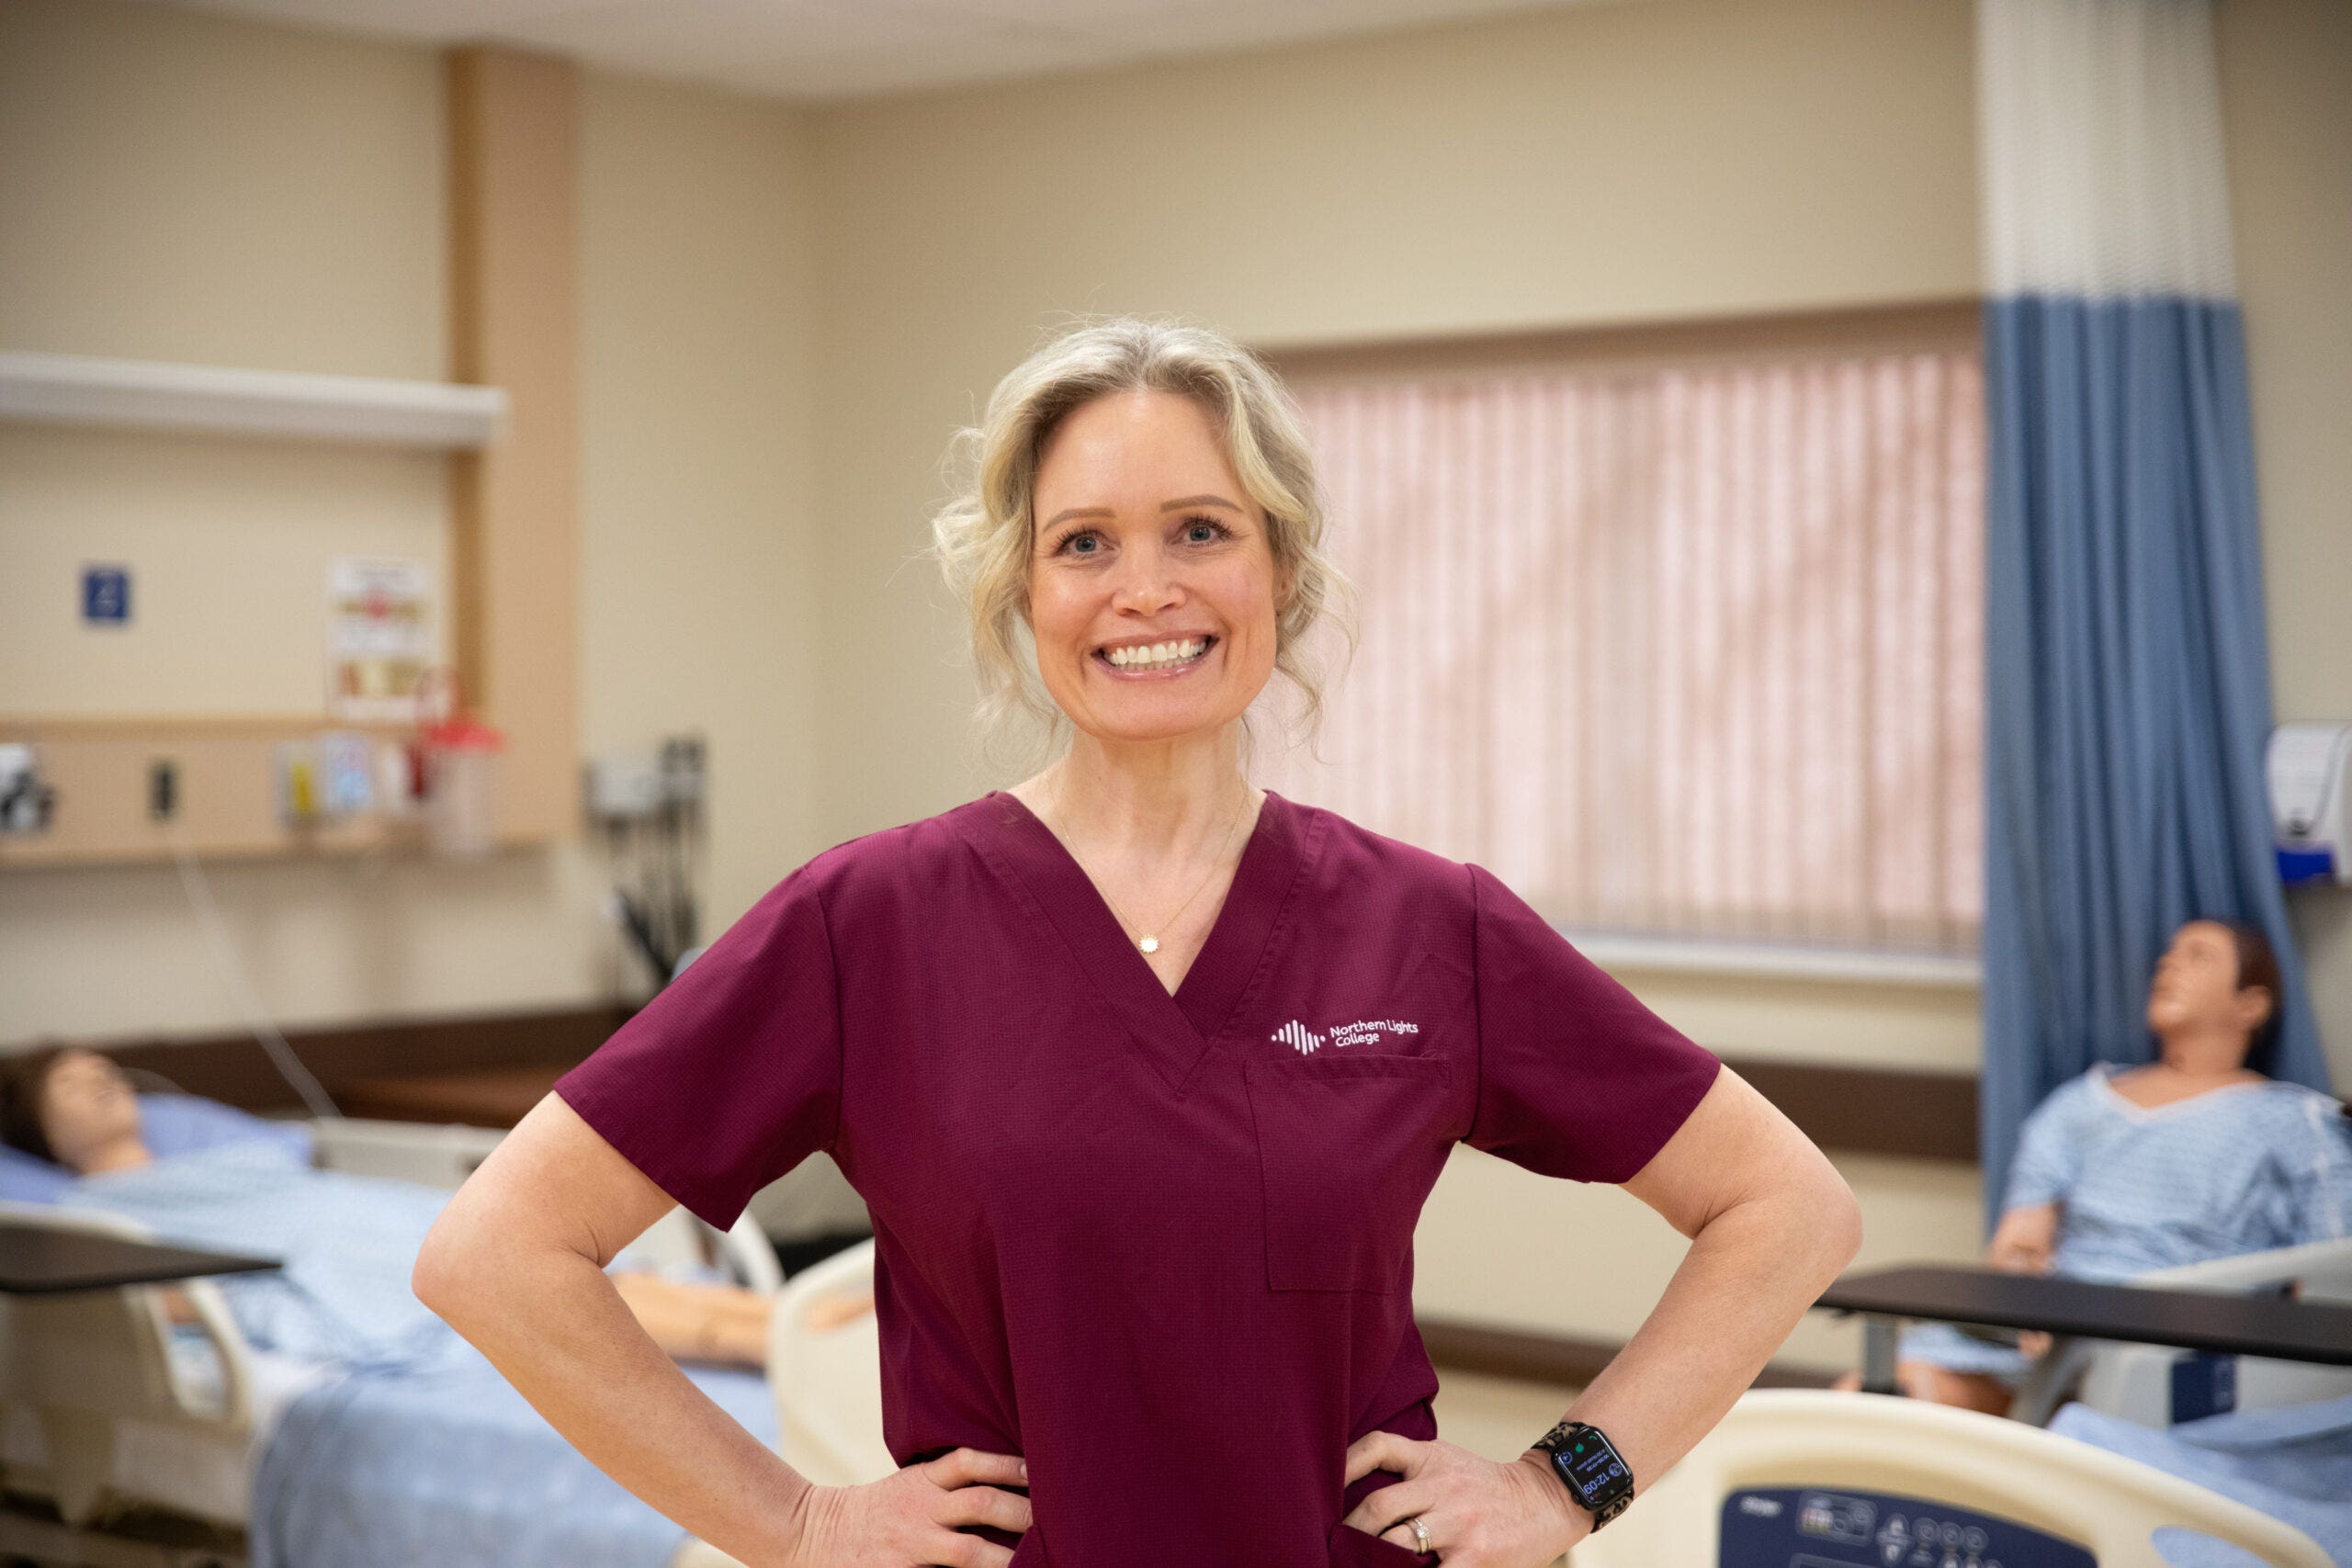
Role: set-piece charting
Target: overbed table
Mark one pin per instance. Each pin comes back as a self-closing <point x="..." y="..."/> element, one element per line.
<point x="42" y="1260"/>
<point x="2209" y="1321"/>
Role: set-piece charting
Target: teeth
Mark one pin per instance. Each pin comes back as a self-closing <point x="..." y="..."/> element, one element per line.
<point x="1157" y="654"/>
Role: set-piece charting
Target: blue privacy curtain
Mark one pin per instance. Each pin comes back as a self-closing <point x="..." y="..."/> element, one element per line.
<point x="2127" y="686"/>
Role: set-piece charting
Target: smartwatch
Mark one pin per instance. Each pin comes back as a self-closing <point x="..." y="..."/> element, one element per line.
<point x="1593" y="1472"/>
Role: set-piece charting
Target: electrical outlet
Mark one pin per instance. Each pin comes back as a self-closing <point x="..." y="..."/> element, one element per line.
<point x="163" y="789"/>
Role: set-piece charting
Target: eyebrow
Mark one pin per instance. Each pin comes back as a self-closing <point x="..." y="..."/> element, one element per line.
<point x="1067" y="512"/>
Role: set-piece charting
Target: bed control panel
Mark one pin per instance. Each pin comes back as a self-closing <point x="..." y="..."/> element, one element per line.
<point x="1794" y="1526"/>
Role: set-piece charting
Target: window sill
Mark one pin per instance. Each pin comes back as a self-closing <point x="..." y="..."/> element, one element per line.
<point x="1776" y="960"/>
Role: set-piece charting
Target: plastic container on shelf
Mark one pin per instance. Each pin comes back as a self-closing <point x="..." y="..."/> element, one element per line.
<point x="460" y="779"/>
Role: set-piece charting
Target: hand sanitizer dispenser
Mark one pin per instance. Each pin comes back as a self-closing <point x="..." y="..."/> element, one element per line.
<point x="2311" y="801"/>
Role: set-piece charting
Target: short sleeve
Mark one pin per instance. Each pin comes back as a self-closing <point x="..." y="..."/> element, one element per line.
<point x="2049" y="1148"/>
<point x="730" y="1076"/>
<point x="1576" y="1079"/>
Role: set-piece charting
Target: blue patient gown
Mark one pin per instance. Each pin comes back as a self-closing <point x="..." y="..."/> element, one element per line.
<point x="419" y="1451"/>
<point x="2234" y="1171"/>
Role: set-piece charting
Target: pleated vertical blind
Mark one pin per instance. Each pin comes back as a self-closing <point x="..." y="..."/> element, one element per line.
<point x="1686" y="650"/>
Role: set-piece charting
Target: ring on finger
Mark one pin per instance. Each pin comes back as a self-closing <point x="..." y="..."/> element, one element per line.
<point x="1420" y="1534"/>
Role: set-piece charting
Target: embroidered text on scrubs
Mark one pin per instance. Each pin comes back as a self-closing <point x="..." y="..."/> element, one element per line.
<point x="1362" y="1032"/>
<point x="1365" y="1030"/>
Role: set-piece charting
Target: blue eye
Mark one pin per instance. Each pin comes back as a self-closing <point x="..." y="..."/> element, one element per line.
<point x="1216" y="530"/>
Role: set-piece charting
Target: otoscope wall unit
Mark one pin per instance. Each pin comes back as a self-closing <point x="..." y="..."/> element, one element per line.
<point x="2310" y="770"/>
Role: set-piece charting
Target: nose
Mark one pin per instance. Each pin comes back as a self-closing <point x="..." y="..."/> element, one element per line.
<point x="1146" y="582"/>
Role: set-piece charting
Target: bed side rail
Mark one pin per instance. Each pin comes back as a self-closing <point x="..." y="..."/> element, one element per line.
<point x="83" y="1360"/>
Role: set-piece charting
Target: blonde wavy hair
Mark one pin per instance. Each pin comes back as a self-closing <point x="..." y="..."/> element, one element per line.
<point x="981" y="537"/>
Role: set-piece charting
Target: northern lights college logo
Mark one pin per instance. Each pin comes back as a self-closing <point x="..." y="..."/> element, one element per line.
<point x="1362" y="1032"/>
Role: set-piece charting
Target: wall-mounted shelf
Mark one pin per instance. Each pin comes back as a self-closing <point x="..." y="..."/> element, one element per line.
<point x="73" y="389"/>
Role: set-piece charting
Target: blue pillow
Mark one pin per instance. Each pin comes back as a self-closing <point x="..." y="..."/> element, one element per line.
<point x="24" y="1179"/>
<point x="182" y="1123"/>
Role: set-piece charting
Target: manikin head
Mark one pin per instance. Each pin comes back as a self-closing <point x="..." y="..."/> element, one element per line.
<point x="2215" y="997"/>
<point x="70" y="1106"/>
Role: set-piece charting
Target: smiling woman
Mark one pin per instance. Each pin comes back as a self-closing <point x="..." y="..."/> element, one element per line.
<point x="1220" y="472"/>
<point x="1145" y="1074"/>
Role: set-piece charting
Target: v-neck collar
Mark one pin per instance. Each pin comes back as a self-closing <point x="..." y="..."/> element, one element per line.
<point x="1175" y="1028"/>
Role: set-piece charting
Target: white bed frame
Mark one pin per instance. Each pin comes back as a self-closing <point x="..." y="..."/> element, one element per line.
<point x="1809" y="1437"/>
<point x="94" y="1367"/>
<point x="2134" y="1382"/>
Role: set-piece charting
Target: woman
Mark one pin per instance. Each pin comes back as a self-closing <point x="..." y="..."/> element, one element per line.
<point x="1144" y="1074"/>
<point x="2193" y="1156"/>
<point x="339" y="1293"/>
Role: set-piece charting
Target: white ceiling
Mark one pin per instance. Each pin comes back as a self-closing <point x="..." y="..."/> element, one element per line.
<point x="829" y="49"/>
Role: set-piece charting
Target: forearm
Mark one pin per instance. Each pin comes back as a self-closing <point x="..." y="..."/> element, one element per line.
<point x="554" y="1324"/>
<point x="1749" y="1276"/>
<point x="705" y="1323"/>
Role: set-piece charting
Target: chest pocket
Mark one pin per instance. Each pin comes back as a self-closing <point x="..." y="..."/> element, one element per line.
<point x="1348" y="1147"/>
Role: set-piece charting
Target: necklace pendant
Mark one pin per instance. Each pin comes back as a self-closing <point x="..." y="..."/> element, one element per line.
<point x="1149" y="944"/>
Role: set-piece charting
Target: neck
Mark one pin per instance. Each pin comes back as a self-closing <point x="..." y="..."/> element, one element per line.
<point x="2204" y="1053"/>
<point x="1150" y="797"/>
<point x="126" y="1153"/>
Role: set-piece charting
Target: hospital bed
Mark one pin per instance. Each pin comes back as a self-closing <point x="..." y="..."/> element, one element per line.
<point x="103" y="1407"/>
<point x="825" y="1370"/>
<point x="2149" y="1383"/>
<point x="1790" y="1479"/>
<point x="1801" y="1478"/>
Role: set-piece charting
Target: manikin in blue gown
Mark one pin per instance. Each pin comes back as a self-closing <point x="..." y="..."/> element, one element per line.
<point x="2193" y="1156"/>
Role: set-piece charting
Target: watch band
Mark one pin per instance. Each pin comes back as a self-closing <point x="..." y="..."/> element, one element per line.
<point x="1589" y="1466"/>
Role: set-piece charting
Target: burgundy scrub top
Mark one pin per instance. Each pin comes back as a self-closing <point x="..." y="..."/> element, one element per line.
<point x="1159" y="1245"/>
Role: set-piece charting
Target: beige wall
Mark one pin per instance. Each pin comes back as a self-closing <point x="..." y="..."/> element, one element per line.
<point x="176" y="186"/>
<point x="2287" y="108"/>
<point x="1594" y="165"/>
<point x="760" y="286"/>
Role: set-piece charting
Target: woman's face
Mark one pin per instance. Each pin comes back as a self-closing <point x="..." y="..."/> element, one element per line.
<point x="86" y="1104"/>
<point x="1152" y="585"/>
<point x="2195" y="985"/>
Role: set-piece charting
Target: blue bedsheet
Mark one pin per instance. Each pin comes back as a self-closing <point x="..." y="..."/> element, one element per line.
<point x="2294" y="1464"/>
<point x="451" y="1468"/>
<point x="419" y="1452"/>
<point x="348" y="1244"/>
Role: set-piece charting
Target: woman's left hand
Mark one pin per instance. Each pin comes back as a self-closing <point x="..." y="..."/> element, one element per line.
<point x="1478" y="1513"/>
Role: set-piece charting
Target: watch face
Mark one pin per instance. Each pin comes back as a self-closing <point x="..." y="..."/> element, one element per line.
<point x="1592" y="1468"/>
<point x="1592" y="1471"/>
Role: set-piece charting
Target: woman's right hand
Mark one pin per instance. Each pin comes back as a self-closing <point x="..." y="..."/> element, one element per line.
<point x="909" y="1519"/>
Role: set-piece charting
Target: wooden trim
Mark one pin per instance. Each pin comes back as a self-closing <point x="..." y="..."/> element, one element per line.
<point x="1846" y="1109"/>
<point x="1873" y="1111"/>
<point x="513" y="119"/>
<point x="1568" y="1359"/>
<point x="235" y="1069"/>
<point x="225" y="806"/>
<point x="39" y="728"/>
<point x="1938" y="325"/>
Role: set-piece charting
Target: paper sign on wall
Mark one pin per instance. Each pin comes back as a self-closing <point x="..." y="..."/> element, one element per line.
<point x="379" y="637"/>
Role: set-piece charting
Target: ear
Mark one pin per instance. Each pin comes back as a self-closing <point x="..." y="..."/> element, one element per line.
<point x="2251" y="1006"/>
<point x="1285" y="588"/>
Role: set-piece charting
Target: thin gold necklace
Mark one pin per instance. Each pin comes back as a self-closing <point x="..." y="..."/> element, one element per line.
<point x="1148" y="943"/>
